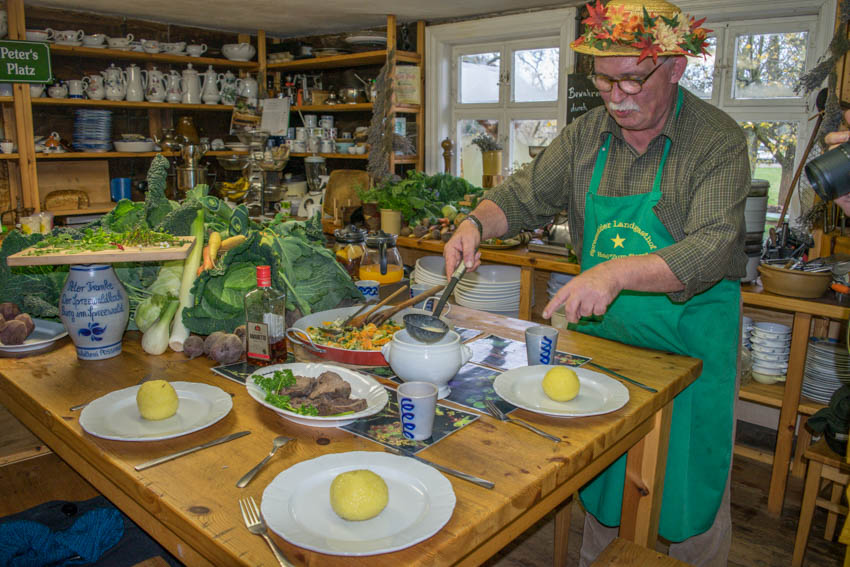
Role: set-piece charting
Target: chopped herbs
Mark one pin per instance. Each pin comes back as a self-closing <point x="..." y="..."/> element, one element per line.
<point x="273" y="384"/>
<point x="95" y="240"/>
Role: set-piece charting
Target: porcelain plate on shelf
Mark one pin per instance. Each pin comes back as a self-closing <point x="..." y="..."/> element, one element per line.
<point x="366" y="39"/>
<point x="115" y="416"/>
<point x="297" y="508"/>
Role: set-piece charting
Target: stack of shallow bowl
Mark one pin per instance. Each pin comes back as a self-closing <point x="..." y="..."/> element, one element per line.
<point x="746" y="328"/>
<point x="430" y="270"/>
<point x="771" y="344"/>
<point x="827" y="366"/>
<point x="491" y="288"/>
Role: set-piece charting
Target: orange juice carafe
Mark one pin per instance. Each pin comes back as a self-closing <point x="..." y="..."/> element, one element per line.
<point x="381" y="262"/>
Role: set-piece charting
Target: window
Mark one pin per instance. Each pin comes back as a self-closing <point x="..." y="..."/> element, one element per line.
<point x="508" y="91"/>
<point x="504" y="76"/>
<point x="751" y="74"/>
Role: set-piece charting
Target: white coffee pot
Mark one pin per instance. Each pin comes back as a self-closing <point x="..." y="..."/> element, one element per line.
<point x="94" y="87"/>
<point x="114" y="83"/>
<point x="156" y="90"/>
<point x="249" y="88"/>
<point x="209" y="92"/>
<point x="134" y="76"/>
<point x="190" y="83"/>
<point x="172" y="87"/>
<point x="229" y="87"/>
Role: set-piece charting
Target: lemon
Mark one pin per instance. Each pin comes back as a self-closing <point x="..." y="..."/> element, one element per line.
<point x="157" y="400"/>
<point x="561" y="384"/>
<point x="358" y="495"/>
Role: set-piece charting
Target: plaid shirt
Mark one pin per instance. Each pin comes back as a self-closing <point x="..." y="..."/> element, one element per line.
<point x="704" y="187"/>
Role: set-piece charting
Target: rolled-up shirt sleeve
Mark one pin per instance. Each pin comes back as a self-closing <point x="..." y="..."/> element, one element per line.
<point x="532" y="196"/>
<point x="714" y="225"/>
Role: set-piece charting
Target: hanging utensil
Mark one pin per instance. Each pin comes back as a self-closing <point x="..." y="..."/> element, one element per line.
<point x="430" y="328"/>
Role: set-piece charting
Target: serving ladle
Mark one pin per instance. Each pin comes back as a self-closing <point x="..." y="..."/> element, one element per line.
<point x="430" y="328"/>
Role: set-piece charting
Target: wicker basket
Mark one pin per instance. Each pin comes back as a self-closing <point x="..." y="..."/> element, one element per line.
<point x="794" y="283"/>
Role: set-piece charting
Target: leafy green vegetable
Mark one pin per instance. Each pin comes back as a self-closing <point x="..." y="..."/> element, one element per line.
<point x="36" y="287"/>
<point x="126" y="215"/>
<point x="273" y="384"/>
<point x="157" y="205"/>
<point x="419" y="195"/>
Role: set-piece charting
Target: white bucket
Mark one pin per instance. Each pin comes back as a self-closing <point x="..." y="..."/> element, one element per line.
<point x="754" y="213"/>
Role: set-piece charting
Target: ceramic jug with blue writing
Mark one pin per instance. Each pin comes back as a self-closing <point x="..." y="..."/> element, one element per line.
<point x="94" y="308"/>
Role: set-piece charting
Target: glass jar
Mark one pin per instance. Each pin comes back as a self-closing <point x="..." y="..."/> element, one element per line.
<point x="349" y="248"/>
<point x="382" y="261"/>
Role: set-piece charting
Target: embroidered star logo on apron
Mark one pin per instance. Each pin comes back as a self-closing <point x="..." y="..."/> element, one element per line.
<point x="618" y="242"/>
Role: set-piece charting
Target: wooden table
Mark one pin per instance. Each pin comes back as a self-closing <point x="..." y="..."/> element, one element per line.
<point x="190" y="505"/>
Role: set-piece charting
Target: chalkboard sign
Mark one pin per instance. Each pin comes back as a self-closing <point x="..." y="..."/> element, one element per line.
<point x="581" y="96"/>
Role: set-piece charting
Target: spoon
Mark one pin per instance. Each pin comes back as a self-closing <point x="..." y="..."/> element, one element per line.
<point x="430" y="328"/>
<point x="278" y="443"/>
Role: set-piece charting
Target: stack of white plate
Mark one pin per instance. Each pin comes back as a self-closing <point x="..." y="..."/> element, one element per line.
<point x="491" y="288"/>
<point x="771" y="344"/>
<point x="430" y="270"/>
<point x="556" y="282"/>
<point x="746" y="328"/>
<point x="827" y="366"/>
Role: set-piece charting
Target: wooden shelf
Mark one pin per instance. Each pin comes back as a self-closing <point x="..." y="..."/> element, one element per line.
<point x="334" y="156"/>
<point x="127" y="104"/>
<point x="10" y="156"/>
<point x="378" y="57"/>
<point x="106" y="155"/>
<point x="93" y="209"/>
<point x="406" y="108"/>
<point x="772" y="394"/>
<point x="7" y="99"/>
<point x="213" y="153"/>
<point x="106" y="53"/>
<point x="405" y="159"/>
<point x="358" y="107"/>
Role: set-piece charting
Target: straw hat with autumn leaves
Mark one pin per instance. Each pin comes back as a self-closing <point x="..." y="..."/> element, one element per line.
<point x="644" y="29"/>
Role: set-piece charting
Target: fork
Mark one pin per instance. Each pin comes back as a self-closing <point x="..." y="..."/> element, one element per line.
<point x="500" y="415"/>
<point x="257" y="526"/>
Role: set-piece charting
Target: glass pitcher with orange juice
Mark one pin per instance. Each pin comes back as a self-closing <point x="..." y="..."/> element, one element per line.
<point x="382" y="262"/>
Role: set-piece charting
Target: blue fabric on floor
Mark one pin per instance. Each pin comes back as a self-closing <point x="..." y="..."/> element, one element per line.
<point x="26" y="543"/>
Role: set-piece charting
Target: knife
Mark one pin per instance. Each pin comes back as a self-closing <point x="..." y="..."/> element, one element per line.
<point x="468" y="477"/>
<point x="627" y="379"/>
<point x="178" y="454"/>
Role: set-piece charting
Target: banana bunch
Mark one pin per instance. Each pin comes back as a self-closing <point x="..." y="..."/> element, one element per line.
<point x="234" y="190"/>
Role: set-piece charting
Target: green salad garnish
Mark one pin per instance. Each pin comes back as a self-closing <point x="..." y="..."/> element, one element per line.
<point x="272" y="384"/>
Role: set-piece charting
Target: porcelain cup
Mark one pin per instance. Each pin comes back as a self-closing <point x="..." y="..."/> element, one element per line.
<point x="7" y="147"/>
<point x="40" y="35"/>
<point x="417" y="406"/>
<point x="75" y="88"/>
<point x="196" y="50"/>
<point x="94" y="39"/>
<point x="176" y="47"/>
<point x="69" y="35"/>
<point x="36" y="90"/>
<point x="150" y="45"/>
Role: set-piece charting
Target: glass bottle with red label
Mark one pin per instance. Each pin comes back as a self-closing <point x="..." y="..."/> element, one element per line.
<point x="265" y="322"/>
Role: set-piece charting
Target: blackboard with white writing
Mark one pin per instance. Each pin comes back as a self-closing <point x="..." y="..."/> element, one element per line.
<point x="581" y="96"/>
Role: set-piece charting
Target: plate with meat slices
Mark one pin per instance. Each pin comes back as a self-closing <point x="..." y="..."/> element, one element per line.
<point x="317" y="394"/>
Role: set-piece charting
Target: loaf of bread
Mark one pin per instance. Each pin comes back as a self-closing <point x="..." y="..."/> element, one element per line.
<point x="65" y="199"/>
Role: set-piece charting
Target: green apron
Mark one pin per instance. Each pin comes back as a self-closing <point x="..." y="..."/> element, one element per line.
<point x="705" y="327"/>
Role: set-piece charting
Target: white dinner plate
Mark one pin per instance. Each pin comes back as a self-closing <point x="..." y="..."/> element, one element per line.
<point x="116" y="416"/>
<point x="598" y="393"/>
<point x="362" y="386"/>
<point x="296" y="505"/>
<point x="43" y="336"/>
<point x="366" y="39"/>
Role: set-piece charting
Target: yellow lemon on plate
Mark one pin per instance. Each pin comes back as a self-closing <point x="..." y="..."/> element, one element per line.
<point x="157" y="400"/>
<point x="358" y="495"/>
<point x="561" y="384"/>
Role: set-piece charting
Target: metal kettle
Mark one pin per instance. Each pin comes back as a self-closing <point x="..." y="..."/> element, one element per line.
<point x="559" y="230"/>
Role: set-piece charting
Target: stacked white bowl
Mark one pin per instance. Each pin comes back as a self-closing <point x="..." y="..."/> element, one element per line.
<point x="746" y="328"/>
<point x="771" y="344"/>
<point x="430" y="270"/>
<point x="491" y="288"/>
<point x="556" y="282"/>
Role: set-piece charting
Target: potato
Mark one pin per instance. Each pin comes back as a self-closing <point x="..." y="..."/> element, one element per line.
<point x="2" y="321"/>
<point x="228" y="349"/>
<point x="13" y="333"/>
<point x="193" y="347"/>
<point x="9" y="310"/>
<point x="26" y="320"/>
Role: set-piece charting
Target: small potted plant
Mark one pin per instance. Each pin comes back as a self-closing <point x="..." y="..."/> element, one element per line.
<point x="491" y="153"/>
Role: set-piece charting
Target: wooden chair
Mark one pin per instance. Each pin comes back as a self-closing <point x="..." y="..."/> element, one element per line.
<point x="829" y="468"/>
<point x="623" y="553"/>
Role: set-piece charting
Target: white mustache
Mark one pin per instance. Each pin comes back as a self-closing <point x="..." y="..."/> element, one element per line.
<point x="625" y="105"/>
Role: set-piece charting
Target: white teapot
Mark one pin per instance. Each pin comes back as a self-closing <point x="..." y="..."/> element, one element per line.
<point x="209" y="93"/>
<point x="172" y="87"/>
<point x="190" y="83"/>
<point x="229" y="87"/>
<point x="249" y="89"/>
<point x="114" y="84"/>
<point x="94" y="87"/>
<point x="156" y="89"/>
<point x="135" y="80"/>
<point x="58" y="90"/>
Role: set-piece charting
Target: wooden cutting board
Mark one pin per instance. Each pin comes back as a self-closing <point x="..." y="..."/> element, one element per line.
<point x="148" y="254"/>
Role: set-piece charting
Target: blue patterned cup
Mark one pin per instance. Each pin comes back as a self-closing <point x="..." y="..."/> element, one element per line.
<point x="417" y="404"/>
<point x="541" y="342"/>
<point x="369" y="288"/>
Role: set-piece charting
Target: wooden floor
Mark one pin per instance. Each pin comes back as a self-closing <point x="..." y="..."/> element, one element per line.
<point x="758" y="539"/>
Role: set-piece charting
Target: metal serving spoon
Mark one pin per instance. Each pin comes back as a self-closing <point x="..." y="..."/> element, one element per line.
<point x="430" y="328"/>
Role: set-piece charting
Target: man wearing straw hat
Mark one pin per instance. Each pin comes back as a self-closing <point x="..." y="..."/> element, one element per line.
<point x="655" y="184"/>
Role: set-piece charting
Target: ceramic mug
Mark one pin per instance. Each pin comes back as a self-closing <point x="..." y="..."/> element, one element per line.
<point x="75" y="88"/>
<point x="417" y="405"/>
<point x="196" y="50"/>
<point x="369" y="288"/>
<point x="36" y="90"/>
<point x="69" y="35"/>
<point x="7" y="147"/>
<point x="541" y="342"/>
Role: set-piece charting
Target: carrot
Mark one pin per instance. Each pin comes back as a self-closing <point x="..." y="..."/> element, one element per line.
<point x="840" y="288"/>
<point x="207" y="263"/>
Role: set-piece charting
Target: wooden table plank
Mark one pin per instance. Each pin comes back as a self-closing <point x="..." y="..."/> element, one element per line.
<point x="190" y="504"/>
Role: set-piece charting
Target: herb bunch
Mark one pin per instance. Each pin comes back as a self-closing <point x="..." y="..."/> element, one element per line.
<point x="95" y="240"/>
<point x="273" y="384"/>
<point x="486" y="143"/>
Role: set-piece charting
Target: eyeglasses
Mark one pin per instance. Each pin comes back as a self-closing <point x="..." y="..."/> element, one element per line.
<point x="628" y="85"/>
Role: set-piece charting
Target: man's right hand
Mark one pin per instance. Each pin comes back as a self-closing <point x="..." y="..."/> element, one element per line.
<point x="463" y="246"/>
